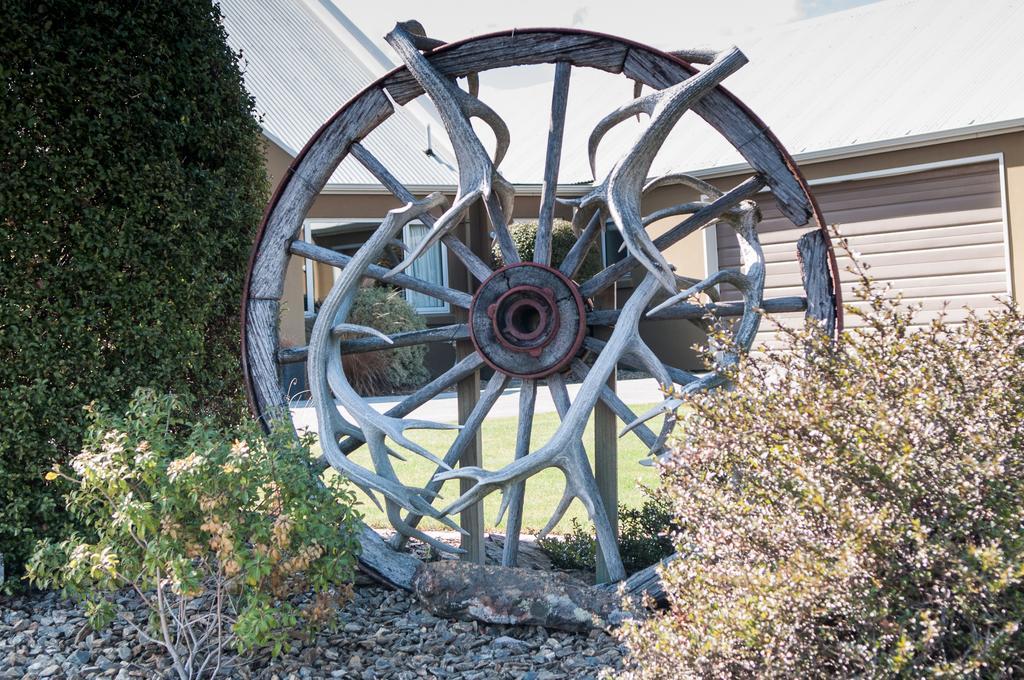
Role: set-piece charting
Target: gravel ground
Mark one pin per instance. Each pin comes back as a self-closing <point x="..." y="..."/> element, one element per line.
<point x="381" y="634"/>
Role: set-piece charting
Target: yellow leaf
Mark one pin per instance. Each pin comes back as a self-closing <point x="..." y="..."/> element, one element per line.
<point x="51" y="475"/>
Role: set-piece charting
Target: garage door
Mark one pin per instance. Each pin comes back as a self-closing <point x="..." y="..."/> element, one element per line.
<point x="937" y="236"/>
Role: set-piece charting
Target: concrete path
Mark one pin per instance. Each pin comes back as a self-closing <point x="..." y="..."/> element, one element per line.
<point x="443" y="408"/>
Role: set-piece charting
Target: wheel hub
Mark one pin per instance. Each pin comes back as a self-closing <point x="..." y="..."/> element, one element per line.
<point x="527" y="320"/>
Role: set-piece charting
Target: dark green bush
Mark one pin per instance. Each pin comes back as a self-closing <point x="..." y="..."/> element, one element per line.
<point x="131" y="182"/>
<point x="385" y="371"/>
<point x="524" y="235"/>
<point x="644" y="539"/>
<point x="852" y="511"/>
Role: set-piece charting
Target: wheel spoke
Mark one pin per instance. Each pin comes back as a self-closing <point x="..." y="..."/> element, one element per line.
<point x="376" y="272"/>
<point x="687" y="310"/>
<point x="574" y="258"/>
<point x="495" y="386"/>
<point x="499" y="222"/>
<point x="516" y="493"/>
<point x="559" y="100"/>
<point x="710" y="212"/>
<point x="678" y="375"/>
<point x="451" y="333"/>
<point x="477" y="267"/>
<point x="673" y="211"/>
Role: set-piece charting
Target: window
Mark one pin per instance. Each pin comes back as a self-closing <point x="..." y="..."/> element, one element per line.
<point x="431" y="266"/>
<point x="610" y="247"/>
<point x="346" y="236"/>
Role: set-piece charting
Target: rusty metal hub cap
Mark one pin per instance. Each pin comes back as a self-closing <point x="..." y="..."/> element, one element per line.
<point x="527" y="320"/>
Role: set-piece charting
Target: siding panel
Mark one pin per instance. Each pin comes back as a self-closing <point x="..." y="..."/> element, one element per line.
<point x="937" y="237"/>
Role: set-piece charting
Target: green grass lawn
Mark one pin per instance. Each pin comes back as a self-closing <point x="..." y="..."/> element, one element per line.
<point x="542" y="491"/>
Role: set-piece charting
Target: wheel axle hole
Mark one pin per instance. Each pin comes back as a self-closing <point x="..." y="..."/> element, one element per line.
<point x="526" y="319"/>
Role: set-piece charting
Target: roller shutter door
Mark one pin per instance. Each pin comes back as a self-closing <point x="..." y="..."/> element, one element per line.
<point x="937" y="236"/>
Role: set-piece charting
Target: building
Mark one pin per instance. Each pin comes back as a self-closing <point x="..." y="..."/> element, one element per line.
<point x="907" y="116"/>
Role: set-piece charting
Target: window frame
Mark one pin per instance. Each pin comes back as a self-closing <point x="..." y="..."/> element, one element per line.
<point x="312" y="225"/>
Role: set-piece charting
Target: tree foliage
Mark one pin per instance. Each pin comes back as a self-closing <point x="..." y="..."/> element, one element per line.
<point x="131" y="182"/>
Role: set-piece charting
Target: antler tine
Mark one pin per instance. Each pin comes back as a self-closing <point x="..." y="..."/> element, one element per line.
<point x="360" y="330"/>
<point x="664" y="407"/>
<point x="623" y="187"/>
<point x="444" y="224"/>
<point x="394" y="515"/>
<point x="696" y="56"/>
<point x="684" y="179"/>
<point x="478" y="176"/>
<point x="475" y="108"/>
<point x="419" y="35"/>
<point x="644" y="104"/>
<point x="732" y="276"/>
<point x="563" y="506"/>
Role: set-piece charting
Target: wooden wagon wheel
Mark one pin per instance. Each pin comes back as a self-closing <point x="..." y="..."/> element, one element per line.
<point x="529" y="320"/>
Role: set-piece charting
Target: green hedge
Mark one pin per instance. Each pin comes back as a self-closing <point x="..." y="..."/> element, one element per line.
<point x="131" y="180"/>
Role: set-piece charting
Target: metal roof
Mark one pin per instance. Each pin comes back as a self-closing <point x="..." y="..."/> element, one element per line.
<point x="889" y="74"/>
<point x="885" y="75"/>
<point x="302" y="60"/>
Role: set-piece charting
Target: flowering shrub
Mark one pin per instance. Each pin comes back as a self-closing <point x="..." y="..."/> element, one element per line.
<point x="851" y="511"/>
<point x="229" y="538"/>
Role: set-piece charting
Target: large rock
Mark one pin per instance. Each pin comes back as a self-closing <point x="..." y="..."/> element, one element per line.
<point x="492" y="594"/>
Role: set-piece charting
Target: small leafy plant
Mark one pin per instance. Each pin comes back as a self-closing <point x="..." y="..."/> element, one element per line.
<point x="644" y="539"/>
<point x="229" y="539"/>
<point x="851" y="509"/>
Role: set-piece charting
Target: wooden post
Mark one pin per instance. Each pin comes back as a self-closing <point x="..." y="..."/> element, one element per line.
<point x="472" y="518"/>
<point x="606" y="449"/>
<point x="468" y="394"/>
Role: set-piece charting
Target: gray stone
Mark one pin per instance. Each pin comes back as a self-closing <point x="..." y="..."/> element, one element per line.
<point x="511" y="643"/>
<point x="49" y="670"/>
<point x="462" y="590"/>
<point x="39" y="664"/>
<point x="80" y="657"/>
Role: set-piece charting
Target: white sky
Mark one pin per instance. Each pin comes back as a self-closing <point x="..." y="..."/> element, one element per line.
<point x="666" y="24"/>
